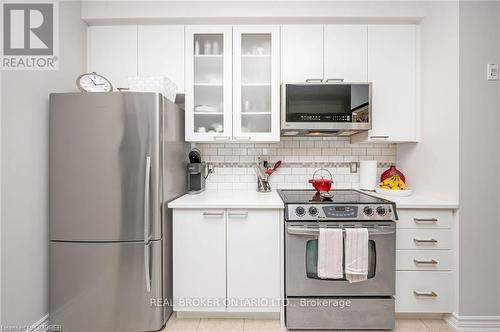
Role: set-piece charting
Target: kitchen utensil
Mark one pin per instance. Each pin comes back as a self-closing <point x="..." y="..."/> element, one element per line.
<point x="216" y="48"/>
<point x="248" y="105"/>
<point x="207" y="48"/>
<point x="321" y="183"/>
<point x="262" y="179"/>
<point x="270" y="171"/>
<point x="197" y="47"/>
<point x="205" y="109"/>
<point x="218" y="127"/>
<point x="391" y="192"/>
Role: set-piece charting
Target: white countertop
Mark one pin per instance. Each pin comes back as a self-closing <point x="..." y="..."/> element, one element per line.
<point x="229" y="199"/>
<point x="419" y="201"/>
<point x="250" y="199"/>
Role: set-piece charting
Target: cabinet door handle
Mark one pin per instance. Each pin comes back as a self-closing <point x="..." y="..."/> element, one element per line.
<point x="429" y="262"/>
<point x="329" y="80"/>
<point x="213" y="214"/>
<point x="381" y="137"/>
<point x="314" y="80"/>
<point x="431" y="241"/>
<point x="425" y="220"/>
<point x="426" y="294"/>
<point x="221" y="138"/>
<point x="243" y="138"/>
<point x="238" y="214"/>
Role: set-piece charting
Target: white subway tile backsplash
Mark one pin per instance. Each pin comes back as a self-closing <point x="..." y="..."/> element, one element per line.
<point x="301" y="156"/>
<point x="306" y="144"/>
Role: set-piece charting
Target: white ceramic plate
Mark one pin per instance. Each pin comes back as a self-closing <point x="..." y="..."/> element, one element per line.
<point x="390" y="192"/>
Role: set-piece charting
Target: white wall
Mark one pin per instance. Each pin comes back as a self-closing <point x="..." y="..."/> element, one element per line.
<point x="24" y="173"/>
<point x="479" y="278"/>
<point x="432" y="165"/>
<point x="99" y="12"/>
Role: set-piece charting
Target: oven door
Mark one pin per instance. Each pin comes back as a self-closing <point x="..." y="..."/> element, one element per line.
<point x="301" y="243"/>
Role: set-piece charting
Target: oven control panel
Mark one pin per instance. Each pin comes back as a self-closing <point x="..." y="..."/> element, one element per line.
<point x="320" y="212"/>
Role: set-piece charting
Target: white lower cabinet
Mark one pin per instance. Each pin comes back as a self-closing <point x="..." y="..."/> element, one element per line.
<point x="425" y="292"/>
<point x="424" y="261"/>
<point x="253" y="260"/>
<point x="226" y="260"/>
<point x="199" y="260"/>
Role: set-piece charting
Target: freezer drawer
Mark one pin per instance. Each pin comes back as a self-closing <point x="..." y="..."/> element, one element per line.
<point x="105" y="287"/>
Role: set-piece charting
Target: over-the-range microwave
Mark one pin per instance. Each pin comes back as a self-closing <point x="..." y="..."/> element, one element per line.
<point x="325" y="109"/>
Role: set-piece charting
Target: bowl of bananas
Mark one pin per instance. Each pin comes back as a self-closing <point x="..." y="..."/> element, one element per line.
<point x="393" y="182"/>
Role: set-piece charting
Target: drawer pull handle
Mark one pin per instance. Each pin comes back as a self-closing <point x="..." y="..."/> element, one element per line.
<point x="238" y="214"/>
<point x="430" y="241"/>
<point x="213" y="214"/>
<point x="425" y="220"/>
<point x="314" y="80"/>
<point x="429" y="262"/>
<point x="221" y="138"/>
<point x="330" y="80"/>
<point x="243" y="138"/>
<point x="379" y="137"/>
<point x="426" y="294"/>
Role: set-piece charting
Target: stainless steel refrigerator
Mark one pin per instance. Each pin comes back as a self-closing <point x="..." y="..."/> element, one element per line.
<point x="116" y="160"/>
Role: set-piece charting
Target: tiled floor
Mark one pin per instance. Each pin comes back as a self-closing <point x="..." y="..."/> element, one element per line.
<point x="254" y="325"/>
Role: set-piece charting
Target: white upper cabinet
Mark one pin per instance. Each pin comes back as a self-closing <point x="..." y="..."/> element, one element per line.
<point x="256" y="83"/>
<point x="112" y="52"/>
<point x="346" y="55"/>
<point x="232" y="83"/>
<point x="392" y="70"/>
<point x="208" y="87"/>
<point x="301" y="53"/>
<point x="161" y="52"/>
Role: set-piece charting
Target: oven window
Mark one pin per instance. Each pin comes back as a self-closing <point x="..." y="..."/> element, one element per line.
<point x="327" y="103"/>
<point x="312" y="259"/>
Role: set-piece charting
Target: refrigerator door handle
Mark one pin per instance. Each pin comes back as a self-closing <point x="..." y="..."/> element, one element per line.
<point x="147" y="181"/>
<point x="147" y="266"/>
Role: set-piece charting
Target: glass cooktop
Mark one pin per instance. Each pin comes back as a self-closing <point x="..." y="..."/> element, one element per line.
<point x="341" y="196"/>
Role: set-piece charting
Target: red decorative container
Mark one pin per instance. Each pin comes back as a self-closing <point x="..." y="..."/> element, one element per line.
<point x="390" y="172"/>
<point x="322" y="184"/>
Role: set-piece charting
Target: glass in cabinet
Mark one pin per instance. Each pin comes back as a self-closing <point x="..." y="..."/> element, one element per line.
<point x="208" y="83"/>
<point x="256" y="85"/>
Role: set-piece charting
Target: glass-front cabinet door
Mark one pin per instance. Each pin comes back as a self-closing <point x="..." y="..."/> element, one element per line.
<point x="256" y="83"/>
<point x="208" y="83"/>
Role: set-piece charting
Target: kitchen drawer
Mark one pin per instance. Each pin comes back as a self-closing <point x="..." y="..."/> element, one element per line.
<point x="423" y="239"/>
<point x="424" y="260"/>
<point x="424" y="291"/>
<point x="421" y="218"/>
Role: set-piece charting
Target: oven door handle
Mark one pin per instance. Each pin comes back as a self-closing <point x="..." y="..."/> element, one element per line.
<point x="315" y="231"/>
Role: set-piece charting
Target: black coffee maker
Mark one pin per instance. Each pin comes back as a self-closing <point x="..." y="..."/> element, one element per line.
<point x="197" y="172"/>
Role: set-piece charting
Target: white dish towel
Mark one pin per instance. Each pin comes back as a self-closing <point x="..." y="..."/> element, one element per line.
<point x="330" y="253"/>
<point x="356" y="254"/>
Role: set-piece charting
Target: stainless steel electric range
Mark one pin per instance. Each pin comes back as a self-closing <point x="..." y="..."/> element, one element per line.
<point x="314" y="303"/>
